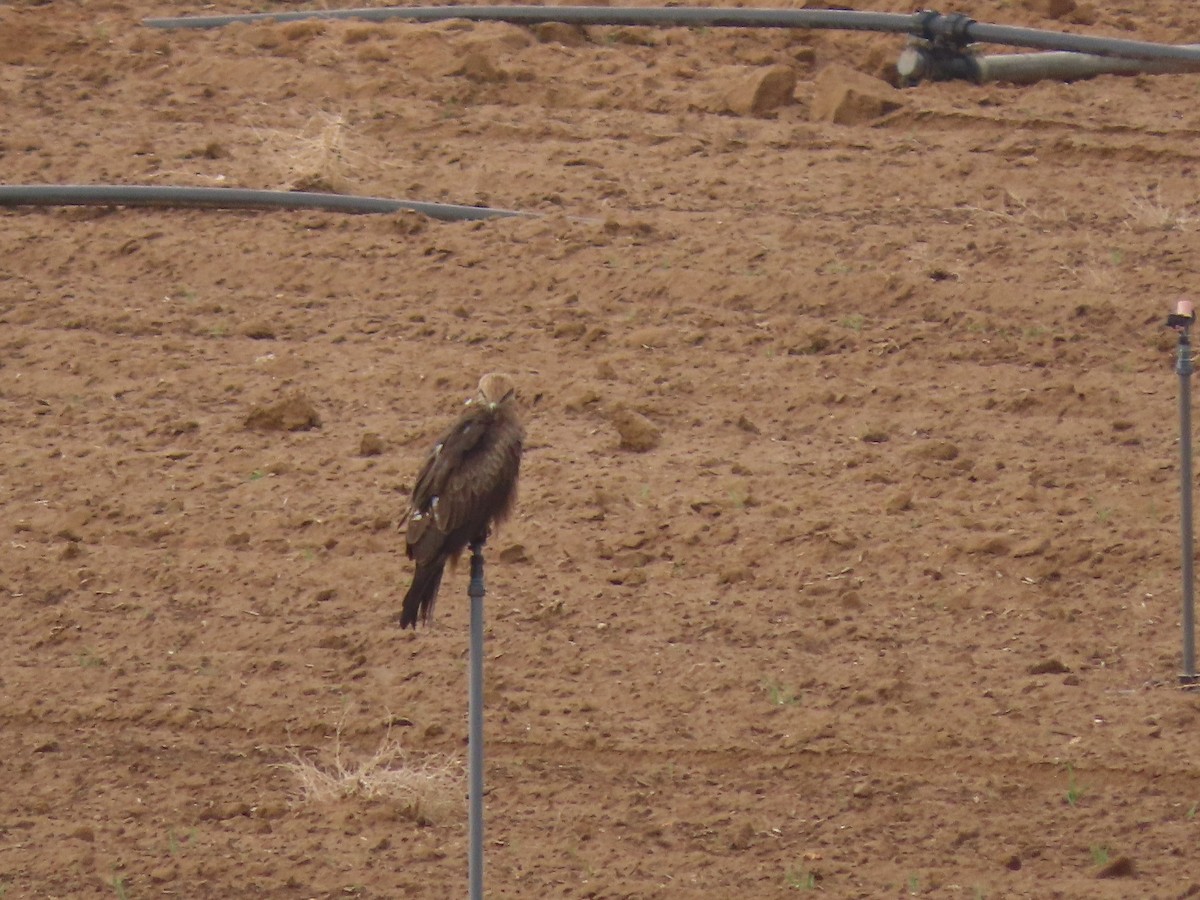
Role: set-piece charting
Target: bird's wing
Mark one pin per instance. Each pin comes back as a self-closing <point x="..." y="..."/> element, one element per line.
<point x="484" y="473"/>
<point x="446" y="456"/>
<point x="491" y="476"/>
<point x="434" y="506"/>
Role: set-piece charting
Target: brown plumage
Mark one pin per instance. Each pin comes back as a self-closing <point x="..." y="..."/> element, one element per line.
<point x="467" y="484"/>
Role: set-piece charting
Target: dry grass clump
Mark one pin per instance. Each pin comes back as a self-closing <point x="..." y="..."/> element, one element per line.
<point x="426" y="791"/>
<point x="1095" y="269"/>
<point x="319" y="157"/>
<point x="1149" y="212"/>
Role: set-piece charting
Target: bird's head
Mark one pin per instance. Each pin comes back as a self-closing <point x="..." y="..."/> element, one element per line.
<point x="495" y="388"/>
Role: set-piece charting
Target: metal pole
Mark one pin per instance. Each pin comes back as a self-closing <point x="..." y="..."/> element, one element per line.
<point x="1182" y="321"/>
<point x="475" y="726"/>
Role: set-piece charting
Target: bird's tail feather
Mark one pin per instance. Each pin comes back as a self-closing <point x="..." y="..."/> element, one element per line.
<point x="422" y="593"/>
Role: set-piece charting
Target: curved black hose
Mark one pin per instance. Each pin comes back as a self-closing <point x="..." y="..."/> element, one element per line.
<point x="578" y="15"/>
<point x="926" y="24"/>
<point x="230" y="198"/>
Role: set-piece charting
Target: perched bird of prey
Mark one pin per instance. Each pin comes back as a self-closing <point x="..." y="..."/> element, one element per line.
<point x="468" y="483"/>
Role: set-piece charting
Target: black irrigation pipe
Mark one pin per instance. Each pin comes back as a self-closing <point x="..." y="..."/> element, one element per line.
<point x="932" y="26"/>
<point x="232" y="198"/>
<point x="570" y="15"/>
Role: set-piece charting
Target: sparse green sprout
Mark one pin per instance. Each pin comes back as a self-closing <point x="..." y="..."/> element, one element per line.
<point x="90" y="659"/>
<point x="174" y="844"/>
<point x="778" y="694"/>
<point x="854" y="322"/>
<point x="1103" y="513"/>
<point x="800" y="878"/>
<point x="1099" y="854"/>
<point x="1075" y="791"/>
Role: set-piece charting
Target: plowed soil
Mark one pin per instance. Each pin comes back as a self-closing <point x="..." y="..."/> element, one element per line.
<point x="847" y="554"/>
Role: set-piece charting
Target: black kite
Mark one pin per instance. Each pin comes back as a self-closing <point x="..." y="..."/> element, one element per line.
<point x="467" y="484"/>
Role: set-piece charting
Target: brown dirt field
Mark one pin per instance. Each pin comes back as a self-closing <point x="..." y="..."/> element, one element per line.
<point x="890" y="609"/>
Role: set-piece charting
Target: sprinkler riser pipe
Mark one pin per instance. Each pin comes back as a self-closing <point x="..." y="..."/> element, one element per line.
<point x="1184" y="368"/>
<point x="476" y="593"/>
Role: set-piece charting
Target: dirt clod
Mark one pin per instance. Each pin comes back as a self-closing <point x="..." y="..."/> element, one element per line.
<point x="637" y="433"/>
<point x="293" y="413"/>
<point x="1121" y="867"/>
<point x="371" y="444"/>
<point x="761" y="91"/>
<point x="845" y="96"/>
